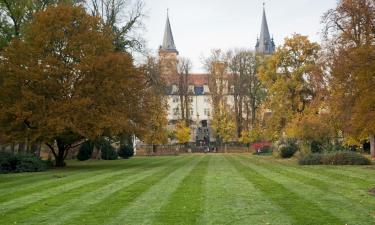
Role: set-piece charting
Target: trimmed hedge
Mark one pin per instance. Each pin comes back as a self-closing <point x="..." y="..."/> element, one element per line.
<point x="335" y="158"/>
<point x="126" y="151"/>
<point x="18" y="163"/>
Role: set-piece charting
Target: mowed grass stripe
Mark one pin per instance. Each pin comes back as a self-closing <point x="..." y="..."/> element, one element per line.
<point x="63" y="178"/>
<point x="13" y="179"/>
<point x="329" y="201"/>
<point x="24" y="189"/>
<point x="105" y="209"/>
<point x="300" y="210"/>
<point x="52" y="207"/>
<point x="147" y="206"/>
<point x="186" y="204"/>
<point x="41" y="181"/>
<point x="342" y="189"/>
<point x="48" y="192"/>
<point x="232" y="199"/>
<point x="351" y="174"/>
<point x="361" y="174"/>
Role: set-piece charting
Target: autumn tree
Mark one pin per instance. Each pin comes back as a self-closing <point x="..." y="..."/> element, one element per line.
<point x="156" y="132"/>
<point x="217" y="68"/>
<point x="182" y="132"/>
<point x="350" y="41"/>
<point x="223" y="125"/>
<point x="184" y="69"/>
<point x="248" y="92"/>
<point x="16" y="14"/>
<point x="124" y="18"/>
<point x="63" y="83"/>
<point x="288" y="78"/>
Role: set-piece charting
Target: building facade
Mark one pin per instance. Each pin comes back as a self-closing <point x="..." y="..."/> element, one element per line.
<point x="200" y="102"/>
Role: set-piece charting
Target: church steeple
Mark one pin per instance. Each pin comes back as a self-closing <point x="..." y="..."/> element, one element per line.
<point x="168" y="41"/>
<point x="168" y="54"/>
<point x="265" y="44"/>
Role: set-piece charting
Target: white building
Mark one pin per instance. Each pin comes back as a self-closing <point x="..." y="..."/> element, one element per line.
<point x="198" y="84"/>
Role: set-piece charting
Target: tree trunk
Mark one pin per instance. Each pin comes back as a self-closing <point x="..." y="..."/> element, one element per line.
<point x="62" y="152"/>
<point x="154" y="149"/>
<point x="237" y="115"/>
<point x="59" y="159"/>
<point x="372" y="145"/>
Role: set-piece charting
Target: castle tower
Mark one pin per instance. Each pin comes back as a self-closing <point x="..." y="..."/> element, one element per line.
<point x="168" y="52"/>
<point x="265" y="44"/>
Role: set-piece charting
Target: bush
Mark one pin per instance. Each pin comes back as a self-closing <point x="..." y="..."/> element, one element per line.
<point x="21" y="163"/>
<point x="85" y="151"/>
<point x="316" y="147"/>
<point x="108" y="152"/>
<point x="345" y="158"/>
<point x="289" y="149"/>
<point x="266" y="150"/>
<point x="311" y="159"/>
<point x="335" y="158"/>
<point x="336" y="148"/>
<point x="126" y="151"/>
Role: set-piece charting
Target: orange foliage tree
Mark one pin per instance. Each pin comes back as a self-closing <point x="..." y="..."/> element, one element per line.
<point x="290" y="79"/>
<point x="350" y="35"/>
<point x="63" y="83"/>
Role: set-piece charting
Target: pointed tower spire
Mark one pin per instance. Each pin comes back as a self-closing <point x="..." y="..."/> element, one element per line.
<point x="168" y="41"/>
<point x="265" y="44"/>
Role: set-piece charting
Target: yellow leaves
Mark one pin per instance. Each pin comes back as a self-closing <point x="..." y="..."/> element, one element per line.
<point x="223" y="123"/>
<point x="156" y="131"/>
<point x="286" y="76"/>
<point x="255" y="134"/>
<point x="182" y="132"/>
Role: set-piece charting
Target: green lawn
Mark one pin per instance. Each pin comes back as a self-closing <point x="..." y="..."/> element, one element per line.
<point x="200" y="189"/>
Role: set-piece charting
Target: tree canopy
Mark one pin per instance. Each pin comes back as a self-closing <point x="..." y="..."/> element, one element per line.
<point x="64" y="82"/>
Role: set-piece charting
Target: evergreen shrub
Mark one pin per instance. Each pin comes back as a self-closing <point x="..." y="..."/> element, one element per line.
<point x="19" y="163"/>
<point x="126" y="151"/>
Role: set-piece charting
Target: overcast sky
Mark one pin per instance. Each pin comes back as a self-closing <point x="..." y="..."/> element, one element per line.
<point x="201" y="25"/>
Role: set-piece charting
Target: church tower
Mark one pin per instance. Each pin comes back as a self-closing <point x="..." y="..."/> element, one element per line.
<point x="265" y="44"/>
<point x="168" y="52"/>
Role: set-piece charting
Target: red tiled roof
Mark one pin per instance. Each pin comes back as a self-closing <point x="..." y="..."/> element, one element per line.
<point x="198" y="79"/>
<point x="193" y="79"/>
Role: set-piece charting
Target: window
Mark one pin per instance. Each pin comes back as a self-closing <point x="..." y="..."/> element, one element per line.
<point x="191" y="112"/>
<point x="175" y="99"/>
<point x="176" y="111"/>
<point x="191" y="99"/>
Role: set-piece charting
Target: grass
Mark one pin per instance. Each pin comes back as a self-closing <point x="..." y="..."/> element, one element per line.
<point x="191" y="189"/>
